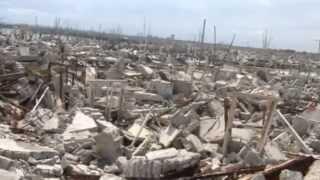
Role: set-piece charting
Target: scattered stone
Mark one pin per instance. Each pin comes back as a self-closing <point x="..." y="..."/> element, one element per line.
<point x="52" y="125"/>
<point x="314" y="171"/>
<point x="168" y="135"/>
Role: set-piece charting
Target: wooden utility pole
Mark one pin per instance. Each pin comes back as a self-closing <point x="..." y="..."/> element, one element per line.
<point x="203" y="31"/>
<point x="214" y="43"/>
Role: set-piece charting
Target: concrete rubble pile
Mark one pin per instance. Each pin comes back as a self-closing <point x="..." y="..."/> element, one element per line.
<point x="80" y="108"/>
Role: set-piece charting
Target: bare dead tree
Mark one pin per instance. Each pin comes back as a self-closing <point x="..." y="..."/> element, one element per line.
<point x="57" y="24"/>
<point x="266" y="39"/>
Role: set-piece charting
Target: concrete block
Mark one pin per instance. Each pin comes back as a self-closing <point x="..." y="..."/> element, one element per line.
<point x="162" y="154"/>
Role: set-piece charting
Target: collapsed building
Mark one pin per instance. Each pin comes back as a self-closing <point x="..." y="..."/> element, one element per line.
<point x="78" y="108"/>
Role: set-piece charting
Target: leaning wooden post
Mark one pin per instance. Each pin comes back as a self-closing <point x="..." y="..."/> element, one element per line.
<point x="61" y="84"/>
<point x="121" y="99"/>
<point x="267" y="124"/>
<point x="229" y="109"/>
<point x="67" y="74"/>
<point x="90" y="94"/>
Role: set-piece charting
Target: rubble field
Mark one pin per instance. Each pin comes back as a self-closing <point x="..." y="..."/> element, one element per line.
<point x="76" y="108"/>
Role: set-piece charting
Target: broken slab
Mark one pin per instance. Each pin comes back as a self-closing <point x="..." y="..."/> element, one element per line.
<point x="195" y="142"/>
<point x="142" y="167"/>
<point x="52" y="125"/>
<point x="110" y="177"/>
<point x="145" y="96"/>
<point x="21" y="150"/>
<point x="81" y="169"/>
<point x="212" y="130"/>
<point x="162" y="154"/>
<point x="245" y="135"/>
<point x="81" y="122"/>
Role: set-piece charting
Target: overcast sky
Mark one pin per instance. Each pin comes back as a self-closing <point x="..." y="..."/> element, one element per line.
<point x="293" y="24"/>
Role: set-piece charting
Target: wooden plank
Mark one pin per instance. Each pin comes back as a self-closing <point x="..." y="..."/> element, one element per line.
<point x="229" y="105"/>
